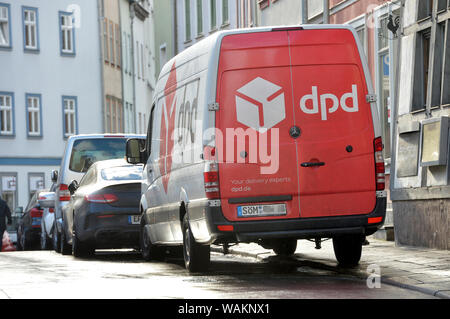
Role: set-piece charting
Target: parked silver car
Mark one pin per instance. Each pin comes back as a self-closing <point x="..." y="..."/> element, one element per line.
<point x="80" y="153"/>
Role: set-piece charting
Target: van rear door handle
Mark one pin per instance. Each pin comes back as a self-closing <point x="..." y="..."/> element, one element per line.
<point x="312" y="164"/>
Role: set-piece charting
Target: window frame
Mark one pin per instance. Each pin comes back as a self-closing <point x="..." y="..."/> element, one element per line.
<point x="187" y="21"/>
<point x="8" y="9"/>
<point x="37" y="96"/>
<point x="26" y="47"/>
<point x="75" y="115"/>
<point x="13" y="127"/>
<point x="71" y="29"/>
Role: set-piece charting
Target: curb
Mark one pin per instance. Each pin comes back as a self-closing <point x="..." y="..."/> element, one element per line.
<point x="360" y="274"/>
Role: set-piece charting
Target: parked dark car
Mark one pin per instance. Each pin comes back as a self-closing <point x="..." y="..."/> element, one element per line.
<point x="103" y="212"/>
<point x="29" y="226"/>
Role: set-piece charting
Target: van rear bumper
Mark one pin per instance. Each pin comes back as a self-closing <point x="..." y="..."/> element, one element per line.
<point x="301" y="228"/>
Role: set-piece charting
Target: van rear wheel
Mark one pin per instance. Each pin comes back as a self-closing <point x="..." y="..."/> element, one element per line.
<point x="347" y="249"/>
<point x="285" y="247"/>
<point x="149" y="251"/>
<point x="196" y="257"/>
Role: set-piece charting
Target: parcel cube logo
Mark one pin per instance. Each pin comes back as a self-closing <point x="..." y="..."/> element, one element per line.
<point x="260" y="104"/>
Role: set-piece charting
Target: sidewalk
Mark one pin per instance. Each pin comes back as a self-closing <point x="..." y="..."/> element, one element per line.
<point x="420" y="269"/>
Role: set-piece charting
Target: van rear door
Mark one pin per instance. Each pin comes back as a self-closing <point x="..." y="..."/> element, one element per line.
<point x="302" y="94"/>
<point x="255" y="106"/>
<point x="335" y="150"/>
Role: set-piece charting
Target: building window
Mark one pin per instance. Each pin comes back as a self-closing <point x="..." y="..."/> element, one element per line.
<point x="187" y="18"/>
<point x="422" y="62"/>
<point x="425" y="9"/>
<point x="108" y="115"/>
<point x="67" y="33"/>
<point x="30" y="28"/>
<point x="446" y="79"/>
<point x="5" y="26"/>
<point x="213" y="14"/>
<point x="35" y="183"/>
<point x="245" y="14"/>
<point x="6" y="114"/>
<point x="70" y="123"/>
<point x="225" y="13"/>
<point x="105" y="40"/>
<point x="34" y="114"/>
<point x="125" y="52"/>
<point x="199" y="17"/>
<point x="112" y="58"/>
<point x="114" y="115"/>
<point x="8" y="189"/>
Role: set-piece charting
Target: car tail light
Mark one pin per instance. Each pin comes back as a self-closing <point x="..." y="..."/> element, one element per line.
<point x="379" y="164"/>
<point x="64" y="194"/>
<point x="211" y="179"/>
<point x="101" y="198"/>
<point x="36" y="213"/>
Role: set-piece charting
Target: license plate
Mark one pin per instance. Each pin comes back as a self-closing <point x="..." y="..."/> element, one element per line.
<point x="134" y="219"/>
<point x="261" y="210"/>
<point x="36" y="221"/>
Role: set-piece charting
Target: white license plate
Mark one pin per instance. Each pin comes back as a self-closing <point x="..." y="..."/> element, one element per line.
<point x="261" y="210"/>
<point x="134" y="219"/>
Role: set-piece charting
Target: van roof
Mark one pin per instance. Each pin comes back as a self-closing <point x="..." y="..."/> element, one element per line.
<point x="212" y="42"/>
<point x="106" y="135"/>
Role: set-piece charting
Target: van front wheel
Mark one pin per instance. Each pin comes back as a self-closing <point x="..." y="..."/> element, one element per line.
<point x="196" y="257"/>
<point x="347" y="249"/>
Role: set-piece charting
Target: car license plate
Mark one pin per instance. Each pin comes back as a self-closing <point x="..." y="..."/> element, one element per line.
<point x="134" y="219"/>
<point x="261" y="210"/>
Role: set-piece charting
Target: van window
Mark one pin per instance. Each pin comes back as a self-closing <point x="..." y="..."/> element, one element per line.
<point x="87" y="152"/>
<point x="123" y="173"/>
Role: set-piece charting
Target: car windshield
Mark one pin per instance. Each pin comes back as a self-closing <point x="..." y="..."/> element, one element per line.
<point x="88" y="151"/>
<point x="122" y="173"/>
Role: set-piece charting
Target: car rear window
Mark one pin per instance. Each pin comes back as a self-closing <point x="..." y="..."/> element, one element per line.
<point x="88" y="151"/>
<point x="122" y="173"/>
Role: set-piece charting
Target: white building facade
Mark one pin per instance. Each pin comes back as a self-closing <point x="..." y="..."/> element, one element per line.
<point x="50" y="88"/>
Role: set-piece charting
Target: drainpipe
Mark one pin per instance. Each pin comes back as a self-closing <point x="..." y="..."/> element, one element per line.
<point x="132" y="16"/>
<point x="101" y="17"/>
<point x="304" y="13"/>
<point x="326" y="11"/>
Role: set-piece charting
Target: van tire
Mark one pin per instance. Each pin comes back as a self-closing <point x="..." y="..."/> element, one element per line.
<point x="196" y="257"/>
<point x="348" y="249"/>
<point x="55" y="239"/>
<point x="149" y="251"/>
<point x="285" y="247"/>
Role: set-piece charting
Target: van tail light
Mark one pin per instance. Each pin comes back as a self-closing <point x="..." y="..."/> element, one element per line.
<point x="64" y="194"/>
<point x="379" y="164"/>
<point x="211" y="178"/>
<point x="101" y="198"/>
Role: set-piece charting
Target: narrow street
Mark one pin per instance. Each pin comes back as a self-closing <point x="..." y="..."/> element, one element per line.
<point x="124" y="275"/>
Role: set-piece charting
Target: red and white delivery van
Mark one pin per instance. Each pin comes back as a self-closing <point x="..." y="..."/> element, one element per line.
<point x="264" y="135"/>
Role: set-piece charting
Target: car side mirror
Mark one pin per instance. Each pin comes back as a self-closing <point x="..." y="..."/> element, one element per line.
<point x="54" y="176"/>
<point x="47" y="199"/>
<point x="73" y="186"/>
<point x="135" y="151"/>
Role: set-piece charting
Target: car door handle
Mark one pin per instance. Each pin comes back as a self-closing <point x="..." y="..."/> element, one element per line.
<point x="312" y="164"/>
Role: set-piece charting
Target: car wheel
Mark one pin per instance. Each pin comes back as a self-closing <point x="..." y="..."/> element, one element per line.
<point x="285" y="247"/>
<point x="149" y="251"/>
<point x="55" y="239"/>
<point x="196" y="257"/>
<point x="79" y="248"/>
<point x="347" y="249"/>
<point x="65" y="247"/>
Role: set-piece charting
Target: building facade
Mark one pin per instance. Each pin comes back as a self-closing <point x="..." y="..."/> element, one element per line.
<point x="196" y="19"/>
<point x="421" y="185"/>
<point x="110" y="33"/>
<point x="48" y="56"/>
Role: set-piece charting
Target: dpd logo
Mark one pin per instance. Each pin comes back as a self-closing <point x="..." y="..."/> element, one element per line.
<point x="260" y="105"/>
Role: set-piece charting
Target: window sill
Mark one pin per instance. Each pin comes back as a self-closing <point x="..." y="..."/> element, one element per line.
<point x="7" y="135"/>
<point x="68" y="54"/>
<point x="30" y="50"/>
<point x="6" y="48"/>
<point x="35" y="137"/>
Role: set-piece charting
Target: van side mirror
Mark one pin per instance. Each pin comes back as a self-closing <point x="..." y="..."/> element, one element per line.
<point x="135" y="151"/>
<point x="73" y="186"/>
<point x="54" y="176"/>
